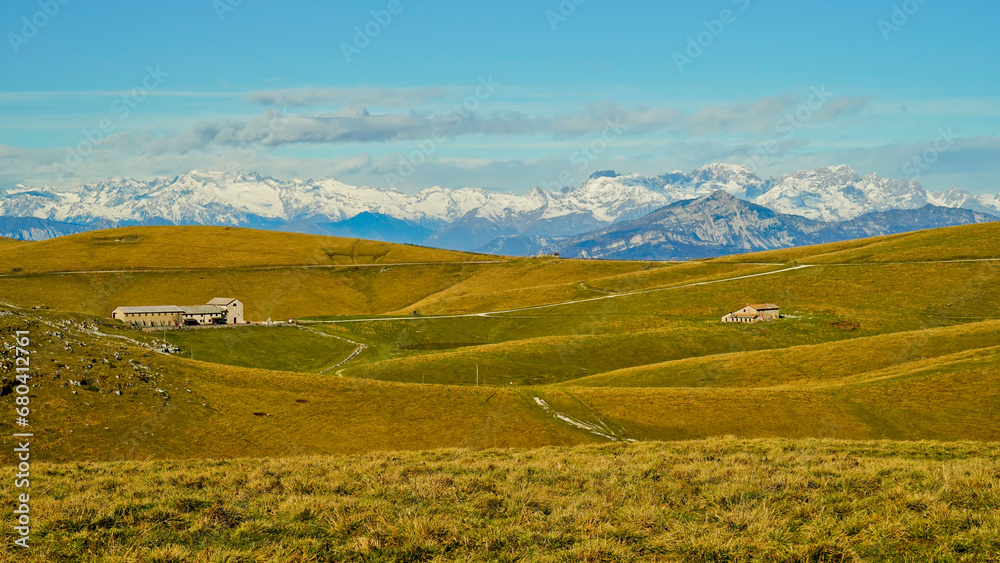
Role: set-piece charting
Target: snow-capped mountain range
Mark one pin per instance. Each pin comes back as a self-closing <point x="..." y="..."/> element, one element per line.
<point x="719" y="224"/>
<point x="467" y="218"/>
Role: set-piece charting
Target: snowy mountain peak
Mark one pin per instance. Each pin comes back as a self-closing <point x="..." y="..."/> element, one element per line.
<point x="840" y="170"/>
<point x="956" y="197"/>
<point x="603" y="174"/>
<point x="826" y="176"/>
<point x="837" y="193"/>
<point x="726" y="171"/>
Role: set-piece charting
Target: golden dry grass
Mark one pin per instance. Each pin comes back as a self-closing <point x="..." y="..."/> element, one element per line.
<point x="103" y="398"/>
<point x="500" y="287"/>
<point x="716" y="500"/>
<point x="278" y="293"/>
<point x="197" y="247"/>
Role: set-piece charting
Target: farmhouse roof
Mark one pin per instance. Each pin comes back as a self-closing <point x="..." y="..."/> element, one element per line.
<point x="764" y="306"/>
<point x="152" y="309"/>
<point x="221" y="301"/>
<point x="202" y="310"/>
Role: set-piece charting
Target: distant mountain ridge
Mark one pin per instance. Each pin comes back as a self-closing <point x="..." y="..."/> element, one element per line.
<point x="32" y="228"/>
<point x="460" y="219"/>
<point x="719" y="224"/>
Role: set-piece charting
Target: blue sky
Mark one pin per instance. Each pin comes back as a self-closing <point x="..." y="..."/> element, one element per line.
<point x="501" y="95"/>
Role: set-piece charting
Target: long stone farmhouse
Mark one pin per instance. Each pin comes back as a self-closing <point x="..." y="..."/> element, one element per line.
<point x="754" y="314"/>
<point x="218" y="311"/>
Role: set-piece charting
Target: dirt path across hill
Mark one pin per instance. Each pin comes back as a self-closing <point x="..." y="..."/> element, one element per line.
<point x="599" y="429"/>
<point x="360" y="347"/>
<point x="560" y="304"/>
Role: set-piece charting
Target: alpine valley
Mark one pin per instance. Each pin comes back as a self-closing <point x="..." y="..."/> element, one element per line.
<point x="715" y="210"/>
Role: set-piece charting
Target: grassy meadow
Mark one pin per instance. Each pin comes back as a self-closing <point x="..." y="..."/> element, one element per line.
<point x="252" y="346"/>
<point x="180" y="248"/>
<point x="714" y="500"/>
<point x="870" y="347"/>
<point x="858" y="423"/>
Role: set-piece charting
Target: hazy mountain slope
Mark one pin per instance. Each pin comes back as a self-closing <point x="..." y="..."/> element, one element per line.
<point x="902" y="221"/>
<point x="32" y="228"/>
<point x="711" y="225"/>
<point x="720" y="224"/>
<point x="375" y="226"/>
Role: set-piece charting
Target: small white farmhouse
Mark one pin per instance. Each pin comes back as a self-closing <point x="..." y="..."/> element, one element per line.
<point x="233" y="308"/>
<point x="753" y="314"/>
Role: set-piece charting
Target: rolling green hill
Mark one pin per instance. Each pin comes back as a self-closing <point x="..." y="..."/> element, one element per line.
<point x="196" y="247"/>
<point x="869" y="347"/>
<point x="277" y="275"/>
<point x="105" y="397"/>
<point x="817" y="365"/>
<point x="251" y="346"/>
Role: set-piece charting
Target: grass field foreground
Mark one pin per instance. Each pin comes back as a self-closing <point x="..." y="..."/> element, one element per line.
<point x="716" y="500"/>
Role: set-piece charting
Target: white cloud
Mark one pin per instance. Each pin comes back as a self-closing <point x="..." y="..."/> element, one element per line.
<point x="476" y="148"/>
<point x="365" y="96"/>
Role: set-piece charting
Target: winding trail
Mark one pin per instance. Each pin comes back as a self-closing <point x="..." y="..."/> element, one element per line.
<point x="360" y="347"/>
<point x="915" y="262"/>
<point x="597" y="429"/>
<point x="358" y="350"/>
